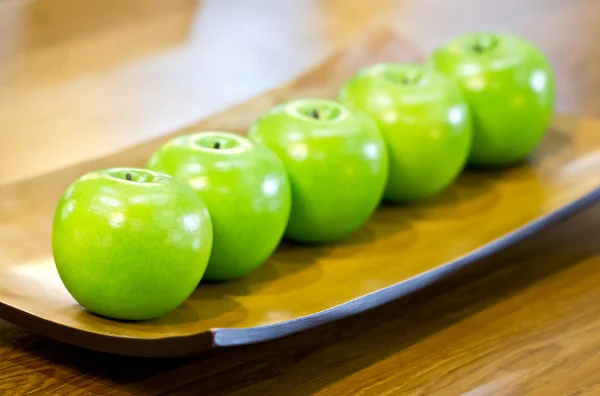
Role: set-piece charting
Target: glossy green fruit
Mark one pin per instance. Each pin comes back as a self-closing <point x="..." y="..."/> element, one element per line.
<point x="509" y="85"/>
<point x="424" y="120"/>
<point x="130" y="243"/>
<point x="247" y="192"/>
<point x="336" y="162"/>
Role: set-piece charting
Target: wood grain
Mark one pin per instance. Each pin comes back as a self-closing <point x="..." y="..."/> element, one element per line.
<point x="523" y="322"/>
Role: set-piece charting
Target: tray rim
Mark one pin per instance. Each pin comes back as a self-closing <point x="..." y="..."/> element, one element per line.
<point x="226" y="337"/>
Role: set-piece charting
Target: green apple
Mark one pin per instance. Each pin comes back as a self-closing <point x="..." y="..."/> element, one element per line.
<point x="424" y="120"/>
<point x="247" y="192"/>
<point x="336" y="162"/>
<point x="509" y="85"/>
<point x="130" y="243"/>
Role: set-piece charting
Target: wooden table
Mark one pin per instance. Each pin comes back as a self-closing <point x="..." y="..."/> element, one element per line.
<point x="81" y="79"/>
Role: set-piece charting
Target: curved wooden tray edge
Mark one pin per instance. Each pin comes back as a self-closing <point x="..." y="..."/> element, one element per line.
<point x="126" y="346"/>
<point x="240" y="336"/>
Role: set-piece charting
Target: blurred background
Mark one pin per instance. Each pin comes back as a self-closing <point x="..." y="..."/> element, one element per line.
<point x="81" y="79"/>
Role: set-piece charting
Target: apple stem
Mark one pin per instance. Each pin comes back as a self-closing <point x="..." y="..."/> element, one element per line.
<point x="315" y="114"/>
<point x="128" y="176"/>
<point x="412" y="77"/>
<point x="217" y="145"/>
<point x="484" y="43"/>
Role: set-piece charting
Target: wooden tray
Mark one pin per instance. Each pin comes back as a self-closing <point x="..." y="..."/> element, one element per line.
<point x="400" y="250"/>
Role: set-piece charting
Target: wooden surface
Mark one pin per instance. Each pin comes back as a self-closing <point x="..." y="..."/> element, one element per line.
<point x="79" y="81"/>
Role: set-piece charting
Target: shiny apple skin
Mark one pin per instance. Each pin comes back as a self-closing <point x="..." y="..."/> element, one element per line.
<point x="246" y="190"/>
<point x="337" y="166"/>
<point x="424" y="120"/>
<point x="509" y="85"/>
<point x="130" y="250"/>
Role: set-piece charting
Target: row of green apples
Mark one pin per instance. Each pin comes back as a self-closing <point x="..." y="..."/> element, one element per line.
<point x="133" y="243"/>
